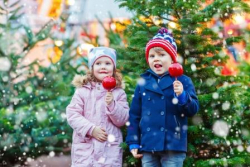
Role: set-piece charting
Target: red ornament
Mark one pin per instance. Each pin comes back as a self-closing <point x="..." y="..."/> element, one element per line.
<point x="175" y="70"/>
<point x="109" y="83"/>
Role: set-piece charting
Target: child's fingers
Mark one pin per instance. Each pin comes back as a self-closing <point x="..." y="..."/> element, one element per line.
<point x="134" y="153"/>
<point x="109" y="94"/>
<point x="138" y="156"/>
<point x="103" y="130"/>
<point x="176" y="82"/>
<point x="102" y="137"/>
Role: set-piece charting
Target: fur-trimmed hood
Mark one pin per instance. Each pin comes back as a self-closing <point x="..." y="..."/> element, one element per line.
<point x="78" y="81"/>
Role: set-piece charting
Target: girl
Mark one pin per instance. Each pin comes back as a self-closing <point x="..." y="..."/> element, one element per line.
<point x="96" y="115"/>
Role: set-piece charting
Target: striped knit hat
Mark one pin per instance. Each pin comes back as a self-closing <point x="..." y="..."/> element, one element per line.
<point x="165" y="40"/>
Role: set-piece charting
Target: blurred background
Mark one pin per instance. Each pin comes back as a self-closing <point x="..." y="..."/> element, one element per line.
<point x="44" y="43"/>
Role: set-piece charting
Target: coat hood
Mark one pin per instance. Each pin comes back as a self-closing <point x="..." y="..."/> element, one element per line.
<point x="78" y="81"/>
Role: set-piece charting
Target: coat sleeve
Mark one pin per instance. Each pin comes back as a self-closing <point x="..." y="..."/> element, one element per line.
<point x="75" y="118"/>
<point x="133" y="130"/>
<point x="118" y="110"/>
<point x="191" y="107"/>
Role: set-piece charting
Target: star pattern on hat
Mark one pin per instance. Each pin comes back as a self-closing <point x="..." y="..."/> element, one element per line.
<point x="91" y="54"/>
<point x="100" y="52"/>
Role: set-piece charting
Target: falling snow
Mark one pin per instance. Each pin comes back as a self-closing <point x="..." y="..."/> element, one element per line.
<point x="5" y="64"/>
<point x="221" y="128"/>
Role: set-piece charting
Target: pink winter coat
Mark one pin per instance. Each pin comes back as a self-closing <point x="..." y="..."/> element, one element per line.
<point x="88" y="109"/>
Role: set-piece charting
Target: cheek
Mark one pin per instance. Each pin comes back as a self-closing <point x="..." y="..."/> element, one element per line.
<point x="111" y="73"/>
<point x="150" y="63"/>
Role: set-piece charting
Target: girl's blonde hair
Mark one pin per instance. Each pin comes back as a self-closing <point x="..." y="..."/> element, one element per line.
<point x="89" y="77"/>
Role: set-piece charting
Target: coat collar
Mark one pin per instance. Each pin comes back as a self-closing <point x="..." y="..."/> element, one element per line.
<point x="94" y="85"/>
<point x="152" y="81"/>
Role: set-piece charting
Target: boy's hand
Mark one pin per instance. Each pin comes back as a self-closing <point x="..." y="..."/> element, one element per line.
<point x="99" y="134"/>
<point x="109" y="98"/>
<point x="178" y="87"/>
<point x="135" y="153"/>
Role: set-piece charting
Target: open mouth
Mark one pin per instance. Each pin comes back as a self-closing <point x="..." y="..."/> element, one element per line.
<point x="157" y="66"/>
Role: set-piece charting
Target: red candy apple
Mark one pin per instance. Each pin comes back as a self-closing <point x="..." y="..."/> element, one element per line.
<point x="109" y="83"/>
<point x="175" y="70"/>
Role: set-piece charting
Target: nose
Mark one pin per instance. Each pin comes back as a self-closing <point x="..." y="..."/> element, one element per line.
<point x="103" y="66"/>
<point x="156" y="58"/>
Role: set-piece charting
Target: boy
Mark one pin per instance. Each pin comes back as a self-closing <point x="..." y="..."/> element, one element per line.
<point x="160" y="107"/>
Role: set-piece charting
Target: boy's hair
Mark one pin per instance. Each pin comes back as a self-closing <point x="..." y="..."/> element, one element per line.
<point x="165" y="40"/>
<point x="158" y="49"/>
<point x="89" y="78"/>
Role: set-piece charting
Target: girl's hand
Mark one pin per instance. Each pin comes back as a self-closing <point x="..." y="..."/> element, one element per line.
<point x="178" y="87"/>
<point x="135" y="153"/>
<point x="109" y="98"/>
<point x="100" y="134"/>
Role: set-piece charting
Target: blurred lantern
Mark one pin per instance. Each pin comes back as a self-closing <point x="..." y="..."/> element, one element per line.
<point x="58" y="43"/>
<point x="54" y="54"/>
<point x="84" y="49"/>
<point x="119" y="25"/>
<point x="147" y="20"/>
<point x="55" y="8"/>
<point x="198" y="30"/>
<point x="70" y="2"/>
<point x="238" y="19"/>
<point x="172" y="25"/>
<point x="113" y="26"/>
<point x="157" y="21"/>
<point x="230" y="32"/>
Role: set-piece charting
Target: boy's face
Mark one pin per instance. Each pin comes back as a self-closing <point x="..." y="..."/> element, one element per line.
<point x="103" y="67"/>
<point x="159" y="60"/>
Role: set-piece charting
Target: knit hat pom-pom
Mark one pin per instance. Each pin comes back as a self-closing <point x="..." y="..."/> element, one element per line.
<point x="163" y="30"/>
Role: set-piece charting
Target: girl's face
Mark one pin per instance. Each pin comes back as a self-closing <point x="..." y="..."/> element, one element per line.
<point x="103" y="67"/>
<point x="159" y="60"/>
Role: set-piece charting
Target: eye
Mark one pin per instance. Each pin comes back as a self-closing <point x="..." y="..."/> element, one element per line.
<point x="162" y="55"/>
<point x="108" y="63"/>
<point x="97" y="63"/>
<point x="151" y="56"/>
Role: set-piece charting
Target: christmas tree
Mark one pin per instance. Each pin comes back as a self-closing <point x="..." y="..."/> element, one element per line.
<point x="33" y="97"/>
<point x="218" y="134"/>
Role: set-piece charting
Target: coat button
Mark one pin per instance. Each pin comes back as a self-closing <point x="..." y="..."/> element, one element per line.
<point x="162" y="112"/>
<point x="148" y="129"/>
<point x="162" y="97"/>
<point x="148" y="113"/>
<point x="149" y="98"/>
<point x="162" y="129"/>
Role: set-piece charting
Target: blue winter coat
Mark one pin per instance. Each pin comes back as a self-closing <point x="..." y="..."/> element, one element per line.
<point x="156" y="123"/>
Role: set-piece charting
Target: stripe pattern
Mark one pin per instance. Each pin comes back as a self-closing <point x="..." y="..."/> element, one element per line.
<point x="165" y="40"/>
